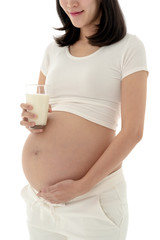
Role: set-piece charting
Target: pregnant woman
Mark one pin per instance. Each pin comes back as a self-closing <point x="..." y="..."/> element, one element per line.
<point x="97" y="74"/>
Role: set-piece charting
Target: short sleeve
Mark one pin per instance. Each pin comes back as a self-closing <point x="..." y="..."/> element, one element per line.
<point x="46" y="60"/>
<point x="134" y="57"/>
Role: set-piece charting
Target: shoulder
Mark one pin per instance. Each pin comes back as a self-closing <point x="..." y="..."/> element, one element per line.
<point x="128" y="42"/>
<point x="131" y="46"/>
<point x="51" y="45"/>
<point x="53" y="48"/>
<point x="133" y="42"/>
<point x="133" y="56"/>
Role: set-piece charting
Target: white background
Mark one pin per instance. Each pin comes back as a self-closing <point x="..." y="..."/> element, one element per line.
<point x="25" y="31"/>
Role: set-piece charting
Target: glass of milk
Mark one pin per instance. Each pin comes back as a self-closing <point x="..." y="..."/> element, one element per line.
<point x="38" y="97"/>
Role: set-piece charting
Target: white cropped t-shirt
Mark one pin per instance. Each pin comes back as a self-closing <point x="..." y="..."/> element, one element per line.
<point x="90" y="86"/>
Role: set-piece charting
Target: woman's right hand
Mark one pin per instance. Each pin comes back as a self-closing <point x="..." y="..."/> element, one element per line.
<point x="25" y="115"/>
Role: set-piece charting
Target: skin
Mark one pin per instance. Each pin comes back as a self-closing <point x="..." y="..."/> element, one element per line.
<point x="133" y="102"/>
<point x="86" y="21"/>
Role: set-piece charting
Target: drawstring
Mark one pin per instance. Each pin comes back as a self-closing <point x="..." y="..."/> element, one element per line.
<point x="41" y="202"/>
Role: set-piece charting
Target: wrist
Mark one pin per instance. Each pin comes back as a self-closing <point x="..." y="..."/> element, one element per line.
<point x="83" y="186"/>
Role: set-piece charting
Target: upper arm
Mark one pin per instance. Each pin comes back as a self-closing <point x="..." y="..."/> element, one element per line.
<point x="133" y="101"/>
<point x="42" y="79"/>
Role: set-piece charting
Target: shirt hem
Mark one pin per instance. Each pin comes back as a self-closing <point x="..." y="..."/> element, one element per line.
<point x="43" y="71"/>
<point x="135" y="70"/>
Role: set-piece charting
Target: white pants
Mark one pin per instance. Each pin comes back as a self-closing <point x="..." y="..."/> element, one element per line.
<point x="100" y="214"/>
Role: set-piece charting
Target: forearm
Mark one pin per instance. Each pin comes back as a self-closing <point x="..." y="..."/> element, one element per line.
<point x="117" y="151"/>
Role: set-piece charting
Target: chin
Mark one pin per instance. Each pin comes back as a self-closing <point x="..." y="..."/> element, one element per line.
<point x="78" y="25"/>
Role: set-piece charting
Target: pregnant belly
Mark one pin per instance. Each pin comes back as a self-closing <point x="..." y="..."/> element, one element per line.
<point x="67" y="149"/>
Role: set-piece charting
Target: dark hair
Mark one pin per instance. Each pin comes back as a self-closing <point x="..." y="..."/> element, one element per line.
<point x="111" y="29"/>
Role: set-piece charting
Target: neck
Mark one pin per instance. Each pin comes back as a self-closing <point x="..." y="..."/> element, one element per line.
<point x="84" y="33"/>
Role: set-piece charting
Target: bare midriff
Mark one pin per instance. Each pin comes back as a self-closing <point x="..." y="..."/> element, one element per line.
<point x="67" y="149"/>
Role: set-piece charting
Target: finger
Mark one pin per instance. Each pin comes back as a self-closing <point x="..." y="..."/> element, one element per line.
<point x="27" y="124"/>
<point x="26" y="106"/>
<point x="49" y="189"/>
<point x="26" y="114"/>
<point x="50" y="193"/>
<point x="35" y="130"/>
<point x="52" y="188"/>
<point x="54" y="201"/>
<point x="53" y="198"/>
<point x="46" y="195"/>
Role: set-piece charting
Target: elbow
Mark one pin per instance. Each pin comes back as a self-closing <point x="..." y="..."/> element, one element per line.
<point x="135" y="135"/>
<point x="139" y="135"/>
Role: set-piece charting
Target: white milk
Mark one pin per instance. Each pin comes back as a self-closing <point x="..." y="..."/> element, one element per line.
<point x="40" y="103"/>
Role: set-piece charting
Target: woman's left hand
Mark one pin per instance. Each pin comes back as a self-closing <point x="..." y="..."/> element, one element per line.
<point x="63" y="191"/>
